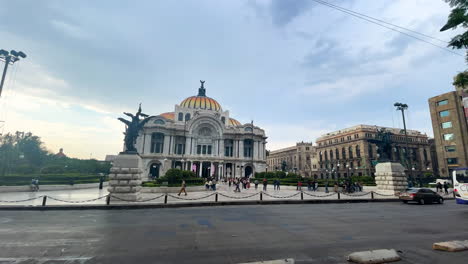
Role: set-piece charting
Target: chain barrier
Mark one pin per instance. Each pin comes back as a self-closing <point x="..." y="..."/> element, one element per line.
<point x="282" y="197"/>
<point x="151" y="199"/>
<point x="315" y="195"/>
<point x="191" y="199"/>
<point x="82" y="201"/>
<point x="138" y="201"/>
<point x="236" y="197"/>
<point x="381" y="194"/>
<point x="356" y="195"/>
<point x="19" y="201"/>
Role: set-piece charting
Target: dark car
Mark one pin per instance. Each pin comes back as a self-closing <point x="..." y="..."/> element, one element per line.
<point x="421" y="195"/>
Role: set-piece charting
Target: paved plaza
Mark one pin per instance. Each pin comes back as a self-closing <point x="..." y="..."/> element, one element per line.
<point x="225" y="193"/>
<point x="309" y="233"/>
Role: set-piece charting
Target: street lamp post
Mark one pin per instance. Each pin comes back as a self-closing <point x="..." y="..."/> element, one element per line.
<point x="402" y="107"/>
<point x="337" y="168"/>
<point x="9" y="57"/>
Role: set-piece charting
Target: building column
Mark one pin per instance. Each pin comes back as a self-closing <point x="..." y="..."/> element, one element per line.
<point x="166" y="145"/>
<point x="187" y="146"/>
<point x="221" y="148"/>
<point x="241" y="148"/>
<point x="200" y="167"/>
<point x="147" y="147"/>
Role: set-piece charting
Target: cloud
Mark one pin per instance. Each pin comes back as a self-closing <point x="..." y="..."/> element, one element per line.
<point x="69" y="29"/>
<point x="282" y="12"/>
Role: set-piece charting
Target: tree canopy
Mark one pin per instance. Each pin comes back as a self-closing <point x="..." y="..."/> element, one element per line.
<point x="24" y="153"/>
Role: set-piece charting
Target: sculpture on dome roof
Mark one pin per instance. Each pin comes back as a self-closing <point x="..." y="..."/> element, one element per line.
<point x="201" y="90"/>
<point x="132" y="128"/>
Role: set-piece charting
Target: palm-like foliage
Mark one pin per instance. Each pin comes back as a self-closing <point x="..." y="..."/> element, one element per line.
<point x="461" y="80"/>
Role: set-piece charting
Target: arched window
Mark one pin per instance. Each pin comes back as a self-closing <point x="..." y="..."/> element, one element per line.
<point x="337" y="154"/>
<point x="159" y="122"/>
<point x="187" y="116"/>
<point x="223" y="119"/>
<point x="181" y="117"/>
<point x="331" y="154"/>
<point x="248" y="129"/>
<point x="157" y="143"/>
<point x="326" y="155"/>
<point x="320" y="156"/>
<point x="425" y="155"/>
<point x="350" y="152"/>
<point x="358" y="151"/>
<point x="343" y="153"/>
<point x="228" y="148"/>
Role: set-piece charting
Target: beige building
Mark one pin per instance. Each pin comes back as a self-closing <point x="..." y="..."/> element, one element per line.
<point x="296" y="159"/>
<point x="348" y="152"/>
<point x="449" y="122"/>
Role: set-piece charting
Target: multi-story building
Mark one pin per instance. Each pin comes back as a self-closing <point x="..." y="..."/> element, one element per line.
<point x="296" y="159"/>
<point x="200" y="136"/>
<point x="348" y="152"/>
<point x="450" y="125"/>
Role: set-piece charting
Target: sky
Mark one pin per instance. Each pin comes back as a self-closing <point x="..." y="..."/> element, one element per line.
<point x="297" y="68"/>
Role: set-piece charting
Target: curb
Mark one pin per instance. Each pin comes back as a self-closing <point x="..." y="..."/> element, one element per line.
<point x="181" y="205"/>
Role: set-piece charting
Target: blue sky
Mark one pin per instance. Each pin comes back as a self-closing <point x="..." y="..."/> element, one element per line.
<point x="298" y="69"/>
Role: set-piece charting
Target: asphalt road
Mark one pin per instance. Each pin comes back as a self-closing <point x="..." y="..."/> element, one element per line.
<point x="309" y="233"/>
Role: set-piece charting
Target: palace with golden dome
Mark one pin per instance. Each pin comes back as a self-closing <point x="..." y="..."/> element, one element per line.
<point x="201" y="137"/>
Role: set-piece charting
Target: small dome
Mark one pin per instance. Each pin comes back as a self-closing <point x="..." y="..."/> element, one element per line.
<point x="201" y="102"/>
<point x="234" y="122"/>
<point x="168" y="115"/>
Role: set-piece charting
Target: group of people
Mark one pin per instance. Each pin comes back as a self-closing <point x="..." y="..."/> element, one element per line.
<point x="445" y="187"/>
<point x="348" y="187"/>
<point x="210" y="184"/>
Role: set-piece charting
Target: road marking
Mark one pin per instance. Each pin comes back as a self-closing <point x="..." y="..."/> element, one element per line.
<point x="277" y="261"/>
<point x="65" y="259"/>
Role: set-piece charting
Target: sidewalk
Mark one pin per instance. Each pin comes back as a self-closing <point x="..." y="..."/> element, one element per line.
<point x="224" y="193"/>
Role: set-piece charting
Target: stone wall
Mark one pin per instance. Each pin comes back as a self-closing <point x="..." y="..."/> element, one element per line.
<point x="390" y="176"/>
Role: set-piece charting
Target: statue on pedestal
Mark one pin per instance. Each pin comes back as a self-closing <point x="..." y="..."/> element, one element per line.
<point x="132" y="129"/>
<point x="383" y="142"/>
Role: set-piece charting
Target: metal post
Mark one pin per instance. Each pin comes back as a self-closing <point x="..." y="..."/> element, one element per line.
<point x="339" y="197"/>
<point x="408" y="158"/>
<point x="7" y="62"/>
<point x="216" y="197"/>
<point x="261" y="196"/>
<point x="372" y="195"/>
<point x="44" y="200"/>
<point x="302" y="195"/>
<point x="108" y="199"/>
<point x="165" y="199"/>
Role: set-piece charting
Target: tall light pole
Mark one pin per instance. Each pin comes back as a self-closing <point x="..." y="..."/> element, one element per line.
<point x="9" y="57"/>
<point x="402" y="107"/>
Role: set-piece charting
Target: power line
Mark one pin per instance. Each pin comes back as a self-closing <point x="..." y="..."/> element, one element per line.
<point x="374" y="21"/>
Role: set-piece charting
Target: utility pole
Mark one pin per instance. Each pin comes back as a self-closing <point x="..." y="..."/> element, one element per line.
<point x="9" y="57"/>
<point x="402" y="107"/>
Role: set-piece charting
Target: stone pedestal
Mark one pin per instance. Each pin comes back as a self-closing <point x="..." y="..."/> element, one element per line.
<point x="390" y="176"/>
<point x="125" y="178"/>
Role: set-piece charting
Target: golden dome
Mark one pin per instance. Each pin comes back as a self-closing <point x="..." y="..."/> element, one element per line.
<point x="234" y="122"/>
<point x="168" y="115"/>
<point x="201" y="102"/>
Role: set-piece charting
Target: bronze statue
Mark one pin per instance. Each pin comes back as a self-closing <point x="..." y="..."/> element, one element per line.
<point x="384" y="144"/>
<point x="132" y="128"/>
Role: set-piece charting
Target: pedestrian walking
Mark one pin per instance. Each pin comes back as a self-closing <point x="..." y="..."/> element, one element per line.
<point x="446" y="186"/>
<point x="237" y="183"/>
<point x="439" y="187"/>
<point x="265" y="182"/>
<point x="299" y="185"/>
<point x="256" y="184"/>
<point x="207" y="185"/>
<point x="278" y="183"/>
<point x="335" y="187"/>
<point x="309" y="185"/>
<point x="182" y="188"/>
<point x="230" y="182"/>
<point x="315" y="186"/>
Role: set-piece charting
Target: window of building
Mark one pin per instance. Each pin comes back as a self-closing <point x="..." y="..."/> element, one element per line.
<point x="307" y="148"/>
<point x="447" y="124"/>
<point x="370" y="153"/>
<point x="159" y="122"/>
<point x="450" y="148"/>
<point x="448" y="136"/>
<point x="248" y="147"/>
<point x="358" y="151"/>
<point x="181" y="117"/>
<point x="444" y="113"/>
<point x="452" y="161"/>
<point x="326" y="155"/>
<point x="336" y="140"/>
<point x="209" y="150"/>
<point x="204" y="149"/>
<point x="331" y="154"/>
<point x="187" y="117"/>
<point x="337" y="154"/>
<point x="356" y="136"/>
<point x="348" y="137"/>
<point x="157" y="143"/>
<point x="350" y="152"/>
<point x="223" y="119"/>
<point x="443" y="102"/>
<point x="198" y="149"/>
<point x="228" y="147"/>
<point x="343" y="153"/>
<point x="179" y="145"/>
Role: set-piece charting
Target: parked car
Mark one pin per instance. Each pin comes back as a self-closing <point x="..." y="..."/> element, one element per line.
<point x="421" y="195"/>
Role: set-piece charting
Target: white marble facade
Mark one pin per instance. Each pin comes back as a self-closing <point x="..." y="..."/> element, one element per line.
<point x="201" y="137"/>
